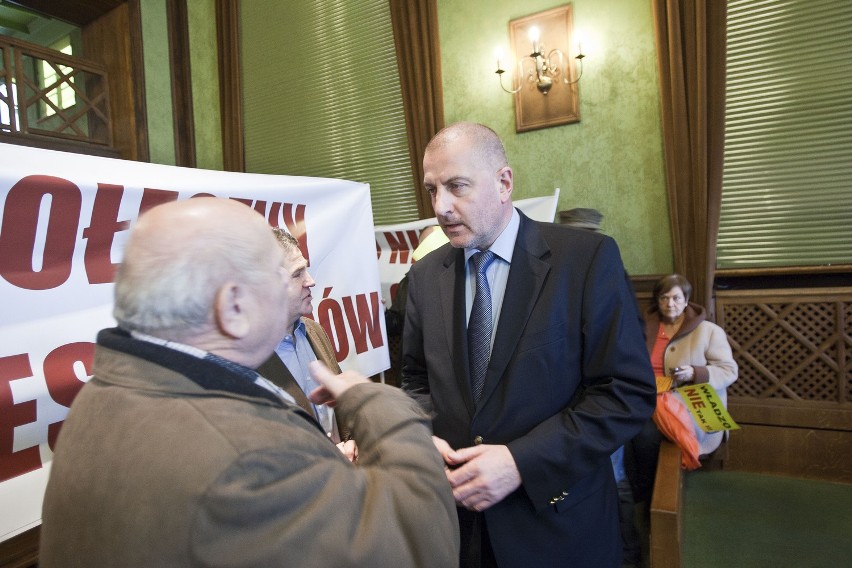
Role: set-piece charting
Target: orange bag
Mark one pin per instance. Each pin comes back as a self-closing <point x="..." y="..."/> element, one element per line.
<point x="675" y="423"/>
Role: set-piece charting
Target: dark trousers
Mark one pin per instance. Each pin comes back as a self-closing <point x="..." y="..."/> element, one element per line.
<point x="640" y="461"/>
<point x="476" y="551"/>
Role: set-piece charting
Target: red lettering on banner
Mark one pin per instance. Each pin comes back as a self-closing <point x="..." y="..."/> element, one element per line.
<point x="399" y="247"/>
<point x="401" y="244"/>
<point x="153" y="197"/>
<point x="20" y="222"/>
<point x="414" y="237"/>
<point x="364" y="320"/>
<point x="260" y="207"/>
<point x="294" y="221"/>
<point x="272" y="216"/>
<point x="331" y="319"/>
<point x="62" y="387"/>
<point x="13" y="464"/>
<point x="378" y="251"/>
<point x="100" y="233"/>
<point x="62" y="383"/>
<point x="393" y="289"/>
<point x="362" y="317"/>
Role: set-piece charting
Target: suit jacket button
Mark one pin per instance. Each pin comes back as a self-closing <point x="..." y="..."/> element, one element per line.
<point x="478" y="440"/>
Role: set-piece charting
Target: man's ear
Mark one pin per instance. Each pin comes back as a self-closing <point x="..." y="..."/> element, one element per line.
<point x="229" y="309"/>
<point x="506" y="179"/>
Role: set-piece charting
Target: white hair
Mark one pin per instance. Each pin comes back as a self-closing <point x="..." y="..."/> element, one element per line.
<point x="174" y="290"/>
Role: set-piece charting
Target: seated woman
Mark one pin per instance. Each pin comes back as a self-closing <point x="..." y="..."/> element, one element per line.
<point x="685" y="346"/>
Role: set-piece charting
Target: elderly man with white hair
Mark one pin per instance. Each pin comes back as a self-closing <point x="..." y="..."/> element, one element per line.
<point x="178" y="453"/>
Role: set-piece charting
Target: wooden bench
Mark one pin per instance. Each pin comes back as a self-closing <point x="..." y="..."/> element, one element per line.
<point x="666" y="509"/>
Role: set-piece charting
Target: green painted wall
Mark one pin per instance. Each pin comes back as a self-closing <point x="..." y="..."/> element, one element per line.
<point x="612" y="160"/>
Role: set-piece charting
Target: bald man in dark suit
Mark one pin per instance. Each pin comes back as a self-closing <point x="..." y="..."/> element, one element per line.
<point x="567" y="380"/>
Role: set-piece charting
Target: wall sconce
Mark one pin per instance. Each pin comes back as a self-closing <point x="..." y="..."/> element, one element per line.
<point x="539" y="68"/>
<point x="545" y="83"/>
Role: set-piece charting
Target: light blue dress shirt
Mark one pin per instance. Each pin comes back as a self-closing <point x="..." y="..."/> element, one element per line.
<point x="296" y="352"/>
<point x="497" y="272"/>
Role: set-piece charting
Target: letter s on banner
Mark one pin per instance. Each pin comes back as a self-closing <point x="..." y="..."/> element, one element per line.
<point x="63" y="384"/>
<point x="13" y="464"/>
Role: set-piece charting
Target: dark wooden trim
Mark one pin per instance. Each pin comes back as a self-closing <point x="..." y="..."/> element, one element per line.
<point x="785" y="279"/>
<point x="784" y="270"/>
<point x="644" y="283"/>
<point x="230" y="85"/>
<point x="827" y="294"/>
<point x="181" y="75"/>
<point x="791" y="414"/>
<point x="137" y="71"/>
<point x="21" y="551"/>
<point x="77" y="12"/>
<point x="58" y="144"/>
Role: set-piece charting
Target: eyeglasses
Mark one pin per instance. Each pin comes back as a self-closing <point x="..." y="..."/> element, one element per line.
<point x="676" y="298"/>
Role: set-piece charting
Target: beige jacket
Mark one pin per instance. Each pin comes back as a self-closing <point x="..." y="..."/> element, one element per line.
<point x="704" y="345"/>
<point x="168" y="460"/>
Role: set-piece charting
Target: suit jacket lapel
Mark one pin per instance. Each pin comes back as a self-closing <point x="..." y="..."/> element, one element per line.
<point x="452" y="293"/>
<point x="276" y="371"/>
<point x="322" y="350"/>
<point x="526" y="279"/>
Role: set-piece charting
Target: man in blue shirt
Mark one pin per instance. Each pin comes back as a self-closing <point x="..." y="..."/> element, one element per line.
<point x="305" y="341"/>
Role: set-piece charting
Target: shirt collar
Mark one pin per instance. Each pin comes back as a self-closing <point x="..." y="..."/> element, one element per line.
<point x="504" y="245"/>
<point x="182" y="347"/>
<point x="299" y="331"/>
<point x="199" y="353"/>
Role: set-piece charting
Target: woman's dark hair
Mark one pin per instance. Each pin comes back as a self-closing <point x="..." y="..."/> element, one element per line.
<point x="665" y="284"/>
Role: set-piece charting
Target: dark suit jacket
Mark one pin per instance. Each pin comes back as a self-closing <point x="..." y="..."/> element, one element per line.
<point x="276" y="371"/>
<point x="569" y="381"/>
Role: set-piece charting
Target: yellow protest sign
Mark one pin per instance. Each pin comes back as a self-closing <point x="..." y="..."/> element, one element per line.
<point x="706" y="408"/>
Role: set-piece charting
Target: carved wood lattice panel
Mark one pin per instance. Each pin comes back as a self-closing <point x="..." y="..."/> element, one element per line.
<point x="794" y="348"/>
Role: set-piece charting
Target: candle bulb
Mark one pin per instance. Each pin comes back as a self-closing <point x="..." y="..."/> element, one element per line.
<point x="498" y="53"/>
<point x="534" y="35"/>
<point x="579" y="37"/>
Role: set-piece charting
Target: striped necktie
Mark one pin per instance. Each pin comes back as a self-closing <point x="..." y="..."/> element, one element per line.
<point x="480" y="324"/>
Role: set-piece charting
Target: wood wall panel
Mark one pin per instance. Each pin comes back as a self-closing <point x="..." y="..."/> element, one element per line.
<point x="793" y="397"/>
<point x="796" y="452"/>
<point x="107" y="41"/>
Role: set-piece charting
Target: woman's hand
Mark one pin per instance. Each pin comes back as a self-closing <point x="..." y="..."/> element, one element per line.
<point x="683" y="375"/>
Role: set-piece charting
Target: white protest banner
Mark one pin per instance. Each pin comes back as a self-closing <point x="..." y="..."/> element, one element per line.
<point x="395" y="243"/>
<point x="64" y="219"/>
